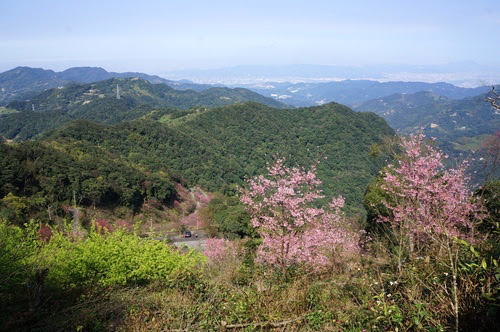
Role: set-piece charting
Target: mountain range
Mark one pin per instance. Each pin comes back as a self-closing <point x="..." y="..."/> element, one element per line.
<point x="459" y="126"/>
<point x="218" y="136"/>
<point x="353" y="92"/>
<point x="110" y="101"/>
<point x="25" y="82"/>
<point x="436" y="115"/>
<point x="214" y="148"/>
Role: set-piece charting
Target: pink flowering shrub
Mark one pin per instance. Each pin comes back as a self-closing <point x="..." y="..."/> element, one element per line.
<point x="293" y="231"/>
<point x="215" y="249"/>
<point x="192" y="220"/>
<point x="428" y="200"/>
<point x="431" y="208"/>
<point x="201" y="197"/>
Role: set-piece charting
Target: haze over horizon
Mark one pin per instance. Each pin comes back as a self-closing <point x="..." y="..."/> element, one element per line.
<point x="158" y="37"/>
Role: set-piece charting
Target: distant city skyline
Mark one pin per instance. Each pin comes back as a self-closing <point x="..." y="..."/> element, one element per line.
<point x="161" y="36"/>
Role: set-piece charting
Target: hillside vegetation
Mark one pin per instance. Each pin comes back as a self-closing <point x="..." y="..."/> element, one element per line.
<point x="222" y="146"/>
<point x="438" y="116"/>
<point x="153" y="209"/>
<point x="25" y="82"/>
<point x="99" y="102"/>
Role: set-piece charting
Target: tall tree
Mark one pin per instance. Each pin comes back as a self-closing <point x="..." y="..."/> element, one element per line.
<point x="293" y="230"/>
<point x="431" y="207"/>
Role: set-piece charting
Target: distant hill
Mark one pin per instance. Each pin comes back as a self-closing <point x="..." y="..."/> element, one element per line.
<point x="98" y="102"/>
<point x="25" y="82"/>
<point x="439" y="116"/>
<point x="354" y="92"/>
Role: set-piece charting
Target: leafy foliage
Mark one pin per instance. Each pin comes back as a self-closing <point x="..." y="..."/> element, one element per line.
<point x="116" y="258"/>
<point x="230" y="216"/>
<point x="221" y="146"/>
<point x="37" y="174"/>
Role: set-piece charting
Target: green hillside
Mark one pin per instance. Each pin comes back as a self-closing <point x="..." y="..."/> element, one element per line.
<point x="37" y="175"/>
<point x="24" y="82"/>
<point x="222" y="146"/>
<point x="99" y="102"/>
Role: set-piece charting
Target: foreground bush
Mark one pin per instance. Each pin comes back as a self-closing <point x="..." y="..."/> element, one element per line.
<point x="99" y="258"/>
<point x="117" y="258"/>
<point x="16" y="245"/>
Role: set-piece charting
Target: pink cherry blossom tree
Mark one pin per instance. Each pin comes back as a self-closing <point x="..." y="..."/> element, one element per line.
<point x="293" y="230"/>
<point x="431" y="206"/>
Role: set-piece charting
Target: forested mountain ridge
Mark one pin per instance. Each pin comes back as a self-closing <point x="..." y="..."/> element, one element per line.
<point x="136" y="91"/>
<point x="110" y="101"/>
<point x="218" y="147"/>
<point x="25" y="82"/>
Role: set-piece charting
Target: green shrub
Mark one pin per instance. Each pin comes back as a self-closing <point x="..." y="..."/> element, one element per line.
<point x="117" y="258"/>
<point x="16" y="246"/>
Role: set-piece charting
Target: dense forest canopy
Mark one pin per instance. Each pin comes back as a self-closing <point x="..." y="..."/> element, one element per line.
<point x="222" y="146"/>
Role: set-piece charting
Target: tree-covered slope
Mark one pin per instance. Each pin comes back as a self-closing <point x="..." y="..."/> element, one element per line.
<point x="25" y="82"/>
<point x="100" y="102"/>
<point x="49" y="173"/>
<point x="222" y="146"/>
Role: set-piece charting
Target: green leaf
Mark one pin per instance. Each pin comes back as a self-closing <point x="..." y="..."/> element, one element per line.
<point x="474" y="251"/>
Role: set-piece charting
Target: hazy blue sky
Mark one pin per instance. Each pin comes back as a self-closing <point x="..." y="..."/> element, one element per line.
<point x="155" y="36"/>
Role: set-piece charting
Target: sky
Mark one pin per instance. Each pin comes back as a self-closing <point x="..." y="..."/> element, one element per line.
<point x="157" y="36"/>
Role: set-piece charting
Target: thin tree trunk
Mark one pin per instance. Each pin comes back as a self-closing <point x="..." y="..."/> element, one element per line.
<point x="454" y="271"/>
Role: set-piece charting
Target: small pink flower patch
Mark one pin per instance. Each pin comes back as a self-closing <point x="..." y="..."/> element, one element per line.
<point x="217" y="249"/>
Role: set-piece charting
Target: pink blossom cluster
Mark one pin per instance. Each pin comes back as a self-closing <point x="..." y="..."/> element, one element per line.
<point x="193" y="220"/>
<point x="218" y="249"/>
<point x="293" y="230"/>
<point x="201" y="197"/>
<point x="426" y="198"/>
